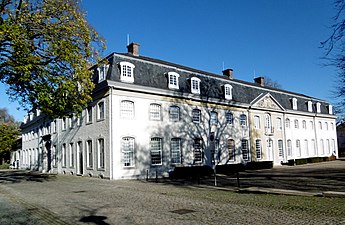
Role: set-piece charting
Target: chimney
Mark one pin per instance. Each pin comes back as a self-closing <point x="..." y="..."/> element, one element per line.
<point x="133" y="48"/>
<point x="228" y="73"/>
<point x="260" y="81"/>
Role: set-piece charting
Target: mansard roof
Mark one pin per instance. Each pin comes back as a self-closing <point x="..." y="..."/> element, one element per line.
<point x="152" y="73"/>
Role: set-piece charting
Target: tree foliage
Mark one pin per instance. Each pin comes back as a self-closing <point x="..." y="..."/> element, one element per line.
<point x="9" y="131"/>
<point x="46" y="48"/>
<point x="269" y="82"/>
<point x="335" y="53"/>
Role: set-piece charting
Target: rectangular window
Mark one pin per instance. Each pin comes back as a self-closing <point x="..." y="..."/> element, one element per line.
<point x="243" y="120"/>
<point x="306" y="147"/>
<point x="89" y="114"/>
<point x="228" y="91"/>
<point x="100" y="150"/>
<point x="128" y="151"/>
<point x="174" y="113"/>
<point x="89" y="154"/>
<point x="245" y="152"/>
<point x="175" y="147"/>
<point x="195" y="85"/>
<point x="155" y="112"/>
<point x="229" y="118"/>
<point x="127" y="72"/>
<point x="173" y="80"/>
<point x="256" y="122"/>
<point x="64" y="159"/>
<point x="298" y="147"/>
<point x="127" y="109"/>
<point x="197" y="152"/>
<point x="100" y="111"/>
<point x="313" y="146"/>
<point x="311" y="125"/>
<point x="322" y="147"/>
<point x="214" y="118"/>
<point x="156" y="151"/>
<point x="296" y="124"/>
<point x="71" y="155"/>
<point x="258" y="149"/>
<point x="304" y="124"/>
<point x="231" y="149"/>
<point x="196" y="116"/>
<point x="289" y="148"/>
<point x="328" y="147"/>
<point x="280" y="148"/>
<point x="279" y="123"/>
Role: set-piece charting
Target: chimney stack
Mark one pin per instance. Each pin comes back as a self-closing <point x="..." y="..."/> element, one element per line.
<point x="260" y="81"/>
<point x="228" y="73"/>
<point x="133" y="48"/>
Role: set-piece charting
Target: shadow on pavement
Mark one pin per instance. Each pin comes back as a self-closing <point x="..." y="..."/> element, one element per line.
<point x="16" y="176"/>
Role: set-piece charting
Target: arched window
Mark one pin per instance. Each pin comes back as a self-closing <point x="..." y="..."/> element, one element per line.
<point x="173" y="80"/>
<point x="127" y="109"/>
<point x="195" y="85"/>
<point x="243" y="120"/>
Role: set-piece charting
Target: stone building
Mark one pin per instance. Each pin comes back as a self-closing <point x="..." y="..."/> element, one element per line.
<point x="149" y="116"/>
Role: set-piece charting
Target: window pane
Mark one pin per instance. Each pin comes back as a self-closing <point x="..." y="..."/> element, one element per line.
<point x="174" y="113"/>
<point x="280" y="148"/>
<point x="229" y="118"/>
<point x="156" y="151"/>
<point x="196" y="115"/>
<point x="231" y="149"/>
<point x="175" y="150"/>
<point x="197" y="151"/>
<point x="128" y="151"/>
<point x="127" y="110"/>
<point x="214" y="117"/>
<point x="243" y="120"/>
<point x="155" y="112"/>
<point x="245" y="149"/>
<point x="101" y="153"/>
<point x="258" y="149"/>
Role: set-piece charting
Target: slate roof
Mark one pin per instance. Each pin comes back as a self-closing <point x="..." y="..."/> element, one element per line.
<point x="149" y="72"/>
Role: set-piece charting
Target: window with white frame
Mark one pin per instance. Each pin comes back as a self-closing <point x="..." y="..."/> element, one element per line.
<point x="214" y="118"/>
<point x="310" y="106"/>
<point x="318" y="107"/>
<point x="280" y="148"/>
<point x="100" y="153"/>
<point x="89" y="114"/>
<point x="326" y="125"/>
<point x="268" y="123"/>
<point x="333" y="146"/>
<point x="287" y="123"/>
<point x="258" y="149"/>
<point x="127" y="72"/>
<point x="243" y="120"/>
<point x="231" y="149"/>
<point x="279" y="123"/>
<point x="197" y="150"/>
<point x="289" y="147"/>
<point x="304" y="124"/>
<point x="175" y="150"/>
<point x="174" y="113"/>
<point x="298" y="147"/>
<point x="102" y="72"/>
<point x="89" y="155"/>
<point x="245" y="150"/>
<point x="195" y="85"/>
<point x="332" y="126"/>
<point x="155" y="111"/>
<point x="127" y="146"/>
<point x="330" y="109"/>
<point x="71" y="155"/>
<point x="100" y="110"/>
<point x="294" y="103"/>
<point x="156" y="151"/>
<point x="127" y="109"/>
<point x="64" y="155"/>
<point x="257" y="122"/>
<point x="306" y="147"/>
<point x="173" y="80"/>
<point x="296" y="124"/>
<point x="320" y="125"/>
<point x="328" y="147"/>
<point x="313" y="147"/>
<point x="311" y="125"/>
<point x="196" y="115"/>
<point x="322" y="147"/>
<point x="229" y="118"/>
<point x="228" y="91"/>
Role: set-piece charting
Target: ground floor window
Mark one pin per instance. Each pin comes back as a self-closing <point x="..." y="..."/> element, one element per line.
<point x="128" y="151"/>
<point x="258" y="149"/>
<point x="89" y="154"/>
<point x="156" y="151"/>
<point x="231" y="149"/>
<point x="245" y="152"/>
<point x="64" y="158"/>
<point x="289" y="148"/>
<point x="197" y="151"/>
<point x="175" y="148"/>
<point x="280" y="148"/>
<point x="100" y="151"/>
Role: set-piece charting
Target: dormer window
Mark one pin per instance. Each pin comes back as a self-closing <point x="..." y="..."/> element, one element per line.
<point x="127" y="72"/>
<point x="318" y="107"/>
<point x="228" y="91"/>
<point x="173" y="80"/>
<point x="330" y="109"/>
<point x="195" y="85"/>
<point x="294" y="103"/>
<point x="310" y="106"/>
<point x="102" y="72"/>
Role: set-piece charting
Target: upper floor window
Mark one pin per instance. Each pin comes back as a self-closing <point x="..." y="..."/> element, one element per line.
<point x="155" y="112"/>
<point x="287" y="123"/>
<point x="89" y="114"/>
<point x="174" y="113"/>
<point x="318" y="107"/>
<point x="127" y="109"/>
<point x="330" y="109"/>
<point x="228" y="91"/>
<point x="214" y="118"/>
<point x="296" y="124"/>
<point x="102" y="72"/>
<point x="64" y="123"/>
<point x="304" y="124"/>
<point x="100" y="111"/>
<point x="243" y="120"/>
<point x="279" y="123"/>
<point x="311" y="125"/>
<point x="127" y="72"/>
<point x="229" y="118"/>
<point x="195" y="85"/>
<point x="294" y="103"/>
<point x="173" y="80"/>
<point x="196" y="116"/>
<point x="320" y="125"/>
<point x="310" y="106"/>
<point x="256" y="122"/>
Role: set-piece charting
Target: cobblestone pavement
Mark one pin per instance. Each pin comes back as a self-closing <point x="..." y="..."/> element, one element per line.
<point x="29" y="198"/>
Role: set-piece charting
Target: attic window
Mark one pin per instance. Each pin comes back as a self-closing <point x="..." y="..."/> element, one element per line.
<point x="102" y="72"/>
<point x="195" y="85"/>
<point x="310" y="106"/>
<point x="127" y="74"/>
<point x="294" y="103"/>
<point x="318" y="107"/>
<point x="173" y="80"/>
<point x="330" y="109"/>
<point x="228" y="91"/>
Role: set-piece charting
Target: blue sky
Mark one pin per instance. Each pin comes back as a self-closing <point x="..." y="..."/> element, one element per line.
<point x="275" y="38"/>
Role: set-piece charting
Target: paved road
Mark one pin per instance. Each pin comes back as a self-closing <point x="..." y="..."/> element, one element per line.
<point x="49" y="199"/>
